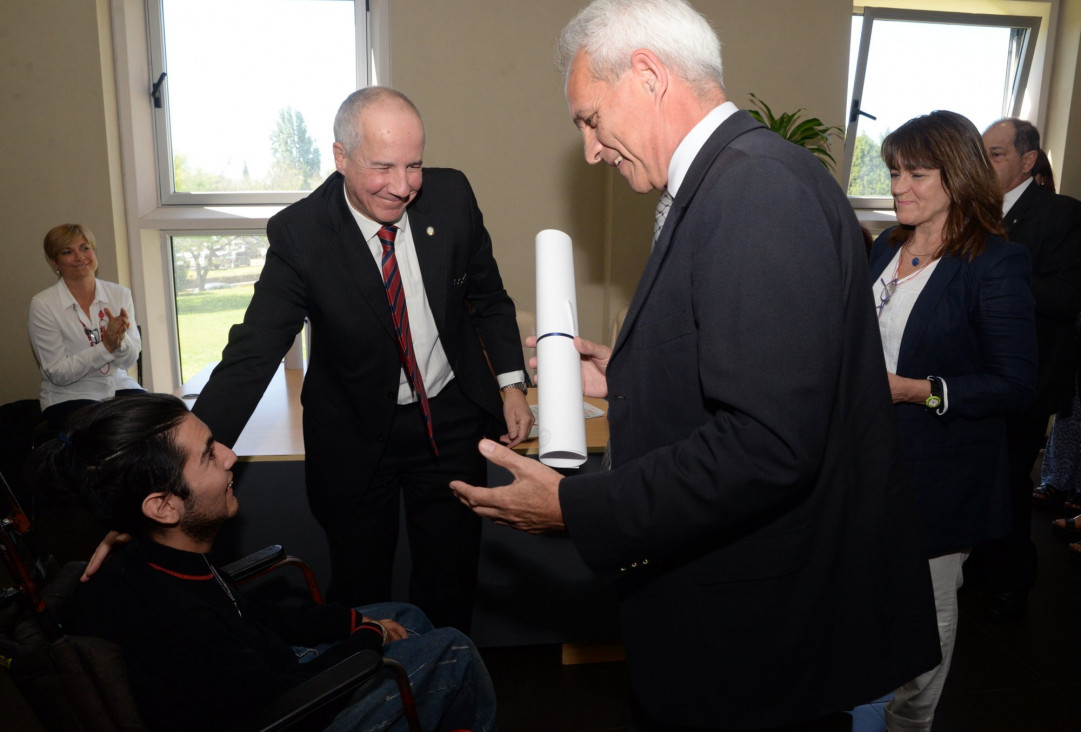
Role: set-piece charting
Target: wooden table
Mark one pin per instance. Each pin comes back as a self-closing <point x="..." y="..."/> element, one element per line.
<point x="596" y="428"/>
<point x="275" y="430"/>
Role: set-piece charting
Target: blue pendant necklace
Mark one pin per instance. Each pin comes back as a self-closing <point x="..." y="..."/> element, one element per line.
<point x="916" y="258"/>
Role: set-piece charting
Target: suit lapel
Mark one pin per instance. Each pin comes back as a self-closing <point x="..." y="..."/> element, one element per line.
<point x="356" y="259"/>
<point x="924" y="309"/>
<point x="429" y="241"/>
<point x="736" y="125"/>
<point x="1022" y="208"/>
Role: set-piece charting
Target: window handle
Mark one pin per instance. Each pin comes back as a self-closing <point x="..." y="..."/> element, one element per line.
<point x="856" y="112"/>
<point x="155" y="91"/>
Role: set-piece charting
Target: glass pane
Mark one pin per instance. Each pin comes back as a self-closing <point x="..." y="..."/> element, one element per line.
<point x="214" y="277"/>
<point x="253" y="87"/>
<point x="914" y="68"/>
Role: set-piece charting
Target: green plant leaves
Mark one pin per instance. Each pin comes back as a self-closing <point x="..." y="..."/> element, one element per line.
<point x="811" y="133"/>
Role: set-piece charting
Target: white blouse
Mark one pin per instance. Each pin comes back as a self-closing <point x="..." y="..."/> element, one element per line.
<point x="72" y="365"/>
<point x="893" y="316"/>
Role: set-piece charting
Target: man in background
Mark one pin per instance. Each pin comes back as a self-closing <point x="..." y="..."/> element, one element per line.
<point x="1049" y="225"/>
<point x="756" y="490"/>
<point x="407" y="311"/>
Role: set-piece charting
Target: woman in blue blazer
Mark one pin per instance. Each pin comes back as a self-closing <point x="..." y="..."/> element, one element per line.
<point x="956" y="317"/>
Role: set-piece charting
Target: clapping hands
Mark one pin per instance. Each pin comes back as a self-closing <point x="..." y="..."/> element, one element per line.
<point x="112" y="335"/>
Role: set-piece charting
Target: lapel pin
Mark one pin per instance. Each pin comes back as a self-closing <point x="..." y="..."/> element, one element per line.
<point x="431" y="231"/>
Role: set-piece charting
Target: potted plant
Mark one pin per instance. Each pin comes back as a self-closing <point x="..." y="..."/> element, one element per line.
<point x="810" y="133"/>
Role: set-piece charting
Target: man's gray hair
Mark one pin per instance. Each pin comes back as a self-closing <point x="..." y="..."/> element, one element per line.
<point x="611" y="30"/>
<point x="347" y="129"/>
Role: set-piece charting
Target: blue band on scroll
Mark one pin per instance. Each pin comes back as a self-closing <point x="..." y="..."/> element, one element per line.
<point x="564" y="335"/>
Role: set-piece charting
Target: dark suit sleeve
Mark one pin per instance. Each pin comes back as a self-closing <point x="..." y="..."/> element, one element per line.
<point x="1005" y="333"/>
<point x="491" y="309"/>
<point x="1056" y="262"/>
<point x="258" y="344"/>
<point x="758" y="357"/>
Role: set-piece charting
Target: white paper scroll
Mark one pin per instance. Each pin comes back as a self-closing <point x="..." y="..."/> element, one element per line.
<point x="560" y="419"/>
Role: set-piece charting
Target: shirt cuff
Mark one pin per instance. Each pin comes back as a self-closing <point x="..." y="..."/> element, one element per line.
<point x="511" y="377"/>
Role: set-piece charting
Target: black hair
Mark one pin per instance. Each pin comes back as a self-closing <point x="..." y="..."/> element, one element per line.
<point x="115" y="453"/>
<point x="1025" y="135"/>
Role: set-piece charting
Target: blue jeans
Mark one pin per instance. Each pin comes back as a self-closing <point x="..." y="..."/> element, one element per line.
<point x="450" y="682"/>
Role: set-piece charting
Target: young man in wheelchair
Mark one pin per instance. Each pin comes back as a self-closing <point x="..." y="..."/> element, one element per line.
<point x="199" y="654"/>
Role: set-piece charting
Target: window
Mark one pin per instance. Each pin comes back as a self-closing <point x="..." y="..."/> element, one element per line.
<point x="236" y="122"/>
<point x="245" y="92"/>
<point x="906" y="63"/>
<point x="214" y="278"/>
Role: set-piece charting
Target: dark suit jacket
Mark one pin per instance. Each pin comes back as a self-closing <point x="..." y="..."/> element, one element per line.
<point x="319" y="267"/>
<point x="1049" y="225"/>
<point x="757" y="510"/>
<point x="973" y="326"/>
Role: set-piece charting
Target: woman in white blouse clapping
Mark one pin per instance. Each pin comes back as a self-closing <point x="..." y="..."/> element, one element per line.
<point x="82" y="329"/>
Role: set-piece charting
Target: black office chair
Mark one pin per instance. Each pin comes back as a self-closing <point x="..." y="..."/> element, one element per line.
<point x="77" y="683"/>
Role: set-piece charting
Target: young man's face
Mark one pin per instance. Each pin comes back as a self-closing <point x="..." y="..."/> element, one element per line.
<point x="208" y="473"/>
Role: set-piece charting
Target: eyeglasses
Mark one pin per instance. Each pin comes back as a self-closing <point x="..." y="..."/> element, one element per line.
<point x="888" y="288"/>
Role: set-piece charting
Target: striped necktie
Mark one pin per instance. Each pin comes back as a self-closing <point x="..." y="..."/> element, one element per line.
<point x="660" y="214"/>
<point x="392" y="278"/>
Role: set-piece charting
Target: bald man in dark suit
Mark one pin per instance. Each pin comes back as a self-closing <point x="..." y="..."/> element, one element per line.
<point x="1049" y="226"/>
<point x="392" y="409"/>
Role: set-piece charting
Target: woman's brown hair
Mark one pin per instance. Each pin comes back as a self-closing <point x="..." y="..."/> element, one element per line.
<point x="949" y="143"/>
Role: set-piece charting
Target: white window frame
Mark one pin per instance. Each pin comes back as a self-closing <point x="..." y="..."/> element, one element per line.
<point x="1038" y="15"/>
<point x="150" y="221"/>
<point x="163" y="137"/>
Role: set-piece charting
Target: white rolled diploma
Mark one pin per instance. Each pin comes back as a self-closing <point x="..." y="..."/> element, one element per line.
<point x="561" y="420"/>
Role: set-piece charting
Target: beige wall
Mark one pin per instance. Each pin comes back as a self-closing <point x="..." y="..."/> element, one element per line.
<point x="481" y="73"/>
<point x="55" y="163"/>
<point x="497" y="112"/>
<point x="1064" y="126"/>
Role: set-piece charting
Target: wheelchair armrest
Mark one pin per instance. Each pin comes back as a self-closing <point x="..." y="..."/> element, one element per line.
<point x="254" y="564"/>
<point x="268" y="559"/>
<point x="333" y="683"/>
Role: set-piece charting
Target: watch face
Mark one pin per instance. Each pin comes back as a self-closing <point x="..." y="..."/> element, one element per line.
<point x="933" y="402"/>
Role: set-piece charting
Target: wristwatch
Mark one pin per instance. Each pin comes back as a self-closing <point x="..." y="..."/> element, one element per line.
<point x="935" y="400"/>
<point x="519" y="385"/>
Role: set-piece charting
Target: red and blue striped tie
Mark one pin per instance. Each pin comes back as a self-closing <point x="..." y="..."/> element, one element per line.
<point x="392" y="278"/>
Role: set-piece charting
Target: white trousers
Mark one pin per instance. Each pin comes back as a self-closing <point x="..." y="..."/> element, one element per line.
<point x="913" y="705"/>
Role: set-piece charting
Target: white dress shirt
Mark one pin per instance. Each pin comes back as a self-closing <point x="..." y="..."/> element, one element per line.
<point x="691" y="145"/>
<point x="435" y="369"/>
<point x="71" y="366"/>
<point x="1011" y="196"/>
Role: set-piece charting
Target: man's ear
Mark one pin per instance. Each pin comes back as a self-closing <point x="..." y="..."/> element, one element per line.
<point x="163" y="508"/>
<point x="1028" y="161"/>
<point x="650" y="72"/>
<point x="339" y="157"/>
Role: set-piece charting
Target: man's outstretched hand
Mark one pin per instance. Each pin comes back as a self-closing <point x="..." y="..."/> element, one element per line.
<point x="530" y="503"/>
